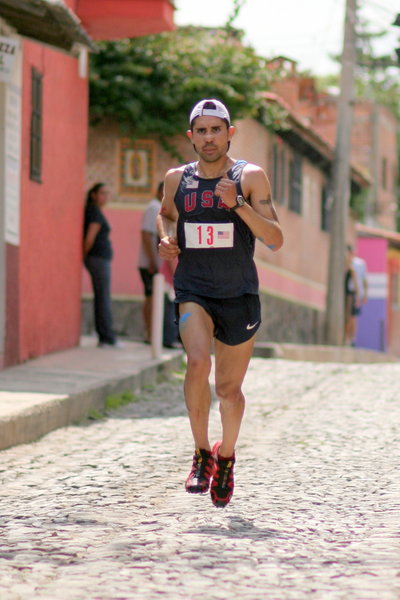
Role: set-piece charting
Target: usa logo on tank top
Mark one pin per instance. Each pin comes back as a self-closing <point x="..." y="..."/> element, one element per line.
<point x="206" y="201"/>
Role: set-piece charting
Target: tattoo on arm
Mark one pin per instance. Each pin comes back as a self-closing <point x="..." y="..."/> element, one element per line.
<point x="268" y="202"/>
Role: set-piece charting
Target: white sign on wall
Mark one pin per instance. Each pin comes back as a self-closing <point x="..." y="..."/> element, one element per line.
<point x="12" y="150"/>
<point x="8" y="53"/>
<point x="12" y="164"/>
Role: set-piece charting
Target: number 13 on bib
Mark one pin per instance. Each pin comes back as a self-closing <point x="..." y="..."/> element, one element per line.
<point x="209" y="235"/>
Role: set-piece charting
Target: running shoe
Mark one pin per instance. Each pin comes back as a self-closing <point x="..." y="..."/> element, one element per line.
<point x="223" y="482"/>
<point x="203" y="468"/>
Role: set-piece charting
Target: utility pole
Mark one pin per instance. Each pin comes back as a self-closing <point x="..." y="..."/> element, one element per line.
<point x="341" y="183"/>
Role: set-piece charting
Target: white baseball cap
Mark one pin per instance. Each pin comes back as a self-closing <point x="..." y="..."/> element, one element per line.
<point x="210" y="108"/>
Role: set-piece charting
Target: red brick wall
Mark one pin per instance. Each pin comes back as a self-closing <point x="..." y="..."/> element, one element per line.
<point x="369" y="148"/>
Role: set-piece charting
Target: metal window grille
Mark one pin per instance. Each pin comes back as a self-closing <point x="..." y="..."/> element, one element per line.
<point x="282" y="186"/>
<point x="36" y="127"/>
<point x="384" y="173"/>
<point x="295" y="183"/>
<point x="275" y="172"/>
<point x="324" y="209"/>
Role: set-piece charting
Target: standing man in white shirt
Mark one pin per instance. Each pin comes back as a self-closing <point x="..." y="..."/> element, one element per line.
<point x="360" y="271"/>
<point x="149" y="260"/>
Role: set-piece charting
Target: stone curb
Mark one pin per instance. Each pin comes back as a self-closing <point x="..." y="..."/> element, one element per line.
<point x="320" y="353"/>
<point x="34" y="422"/>
<point x="31" y="423"/>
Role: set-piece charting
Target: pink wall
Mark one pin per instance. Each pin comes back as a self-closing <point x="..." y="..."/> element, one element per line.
<point x="304" y="285"/>
<point x="372" y="324"/>
<point x="375" y="254"/>
<point x="291" y="287"/>
<point x="52" y="211"/>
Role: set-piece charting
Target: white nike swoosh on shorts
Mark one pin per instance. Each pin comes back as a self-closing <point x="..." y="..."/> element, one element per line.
<point x="252" y="326"/>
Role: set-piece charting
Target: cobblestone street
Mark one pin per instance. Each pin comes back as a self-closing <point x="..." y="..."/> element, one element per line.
<point x="98" y="511"/>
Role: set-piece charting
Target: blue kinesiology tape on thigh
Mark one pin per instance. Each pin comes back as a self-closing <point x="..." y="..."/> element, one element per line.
<point x="183" y="318"/>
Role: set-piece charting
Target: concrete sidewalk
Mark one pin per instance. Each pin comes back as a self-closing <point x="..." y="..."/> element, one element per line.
<point x="61" y="388"/>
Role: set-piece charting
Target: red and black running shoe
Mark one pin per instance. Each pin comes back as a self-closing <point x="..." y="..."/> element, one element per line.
<point x="203" y="468"/>
<point x="223" y="482"/>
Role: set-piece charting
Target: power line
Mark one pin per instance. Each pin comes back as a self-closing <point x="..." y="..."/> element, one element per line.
<point x="334" y="6"/>
<point x="391" y="11"/>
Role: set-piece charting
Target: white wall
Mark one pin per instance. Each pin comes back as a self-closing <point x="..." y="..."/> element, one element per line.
<point x="10" y="171"/>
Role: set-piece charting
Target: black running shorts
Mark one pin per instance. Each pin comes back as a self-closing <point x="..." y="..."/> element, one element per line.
<point x="235" y="319"/>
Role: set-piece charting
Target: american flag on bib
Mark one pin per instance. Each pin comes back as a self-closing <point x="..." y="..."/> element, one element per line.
<point x="223" y="235"/>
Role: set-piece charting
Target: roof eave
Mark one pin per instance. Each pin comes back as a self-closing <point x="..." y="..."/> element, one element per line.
<point x="48" y="21"/>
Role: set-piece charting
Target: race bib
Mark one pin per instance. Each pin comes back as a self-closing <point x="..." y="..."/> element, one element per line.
<point x="209" y="235"/>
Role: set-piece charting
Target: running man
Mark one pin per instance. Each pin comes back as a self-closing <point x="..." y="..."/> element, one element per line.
<point x="212" y="211"/>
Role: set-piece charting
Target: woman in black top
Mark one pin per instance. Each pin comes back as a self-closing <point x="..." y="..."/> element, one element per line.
<point x="97" y="251"/>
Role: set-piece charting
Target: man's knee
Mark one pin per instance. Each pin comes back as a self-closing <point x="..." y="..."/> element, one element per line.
<point x="228" y="392"/>
<point x="199" y="363"/>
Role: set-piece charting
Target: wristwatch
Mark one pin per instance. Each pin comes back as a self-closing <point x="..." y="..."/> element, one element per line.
<point x="240" y="201"/>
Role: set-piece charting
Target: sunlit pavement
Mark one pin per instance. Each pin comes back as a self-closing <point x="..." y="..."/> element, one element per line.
<point x="98" y="511"/>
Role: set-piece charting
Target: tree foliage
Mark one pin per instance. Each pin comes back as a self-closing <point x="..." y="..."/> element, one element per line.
<point x="149" y="84"/>
<point x="377" y="76"/>
<point x="236" y="8"/>
<point x="376" y="80"/>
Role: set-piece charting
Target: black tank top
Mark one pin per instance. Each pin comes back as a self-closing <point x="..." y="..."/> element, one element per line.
<point x="217" y="247"/>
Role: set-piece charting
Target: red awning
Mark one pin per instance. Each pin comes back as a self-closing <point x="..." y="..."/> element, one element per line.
<point x="115" y="19"/>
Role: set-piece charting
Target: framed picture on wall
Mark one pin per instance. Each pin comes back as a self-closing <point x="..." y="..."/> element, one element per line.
<point x="136" y="167"/>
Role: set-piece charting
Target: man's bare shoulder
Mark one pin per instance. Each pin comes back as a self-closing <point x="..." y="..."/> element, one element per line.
<point x="255" y="182"/>
<point x="252" y="169"/>
<point x="254" y="175"/>
<point x="175" y="173"/>
<point x="171" y="182"/>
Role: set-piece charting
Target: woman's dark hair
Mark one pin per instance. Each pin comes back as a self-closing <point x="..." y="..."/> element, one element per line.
<point x="95" y="188"/>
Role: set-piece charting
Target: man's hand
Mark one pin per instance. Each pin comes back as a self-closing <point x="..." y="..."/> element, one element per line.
<point x="227" y="191"/>
<point x="168" y="248"/>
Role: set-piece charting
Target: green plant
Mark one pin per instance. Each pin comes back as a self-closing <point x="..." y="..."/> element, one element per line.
<point x="95" y="415"/>
<point x="148" y="85"/>
<point x="117" y="400"/>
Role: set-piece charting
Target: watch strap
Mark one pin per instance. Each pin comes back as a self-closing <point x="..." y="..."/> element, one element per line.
<point x="238" y="204"/>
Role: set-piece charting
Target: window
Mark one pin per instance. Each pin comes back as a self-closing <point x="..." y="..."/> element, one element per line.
<point x="295" y="176"/>
<point x="278" y="174"/>
<point x="394" y="180"/>
<point x="395" y="290"/>
<point x="384" y="173"/>
<point x="282" y="183"/>
<point x="36" y="127"/>
<point x="325" y="212"/>
<point x="275" y="172"/>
